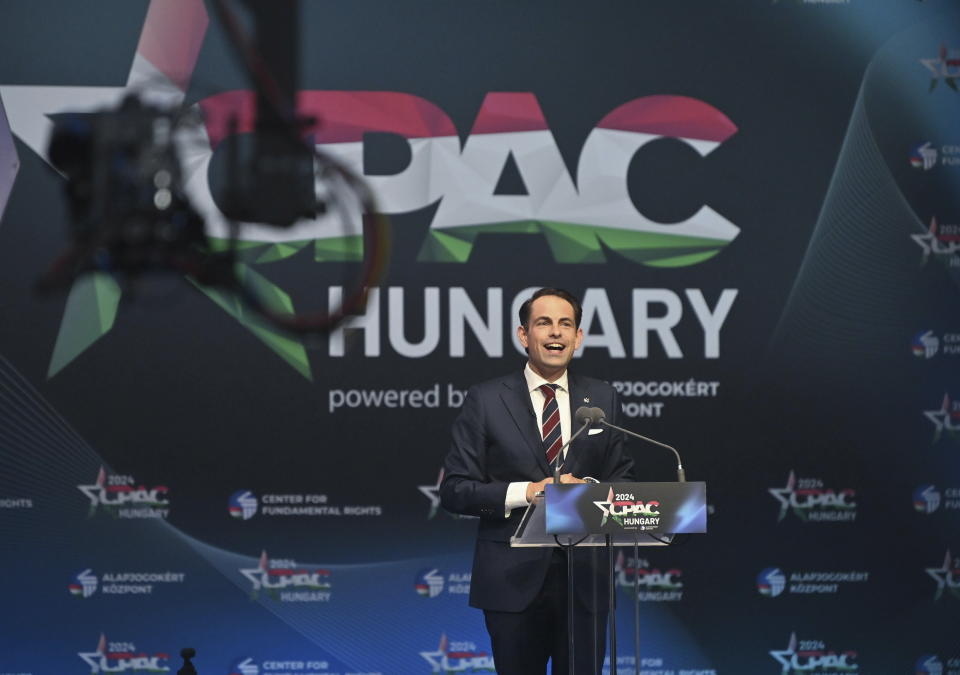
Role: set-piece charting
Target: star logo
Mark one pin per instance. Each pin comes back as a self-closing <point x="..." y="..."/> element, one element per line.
<point x="947" y="577"/>
<point x="443" y="660"/>
<point x="94" y="492"/>
<point x="437" y="659"/>
<point x="256" y="575"/>
<point x="784" y="495"/>
<point x="945" y="66"/>
<point x="786" y="656"/>
<point x="432" y="492"/>
<point x="934" y="244"/>
<point x="943" y="419"/>
<point x="160" y="75"/>
<point x="9" y="162"/>
<point x="96" y="659"/>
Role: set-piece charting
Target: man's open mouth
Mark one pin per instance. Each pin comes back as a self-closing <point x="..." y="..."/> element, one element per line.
<point x="555" y="347"/>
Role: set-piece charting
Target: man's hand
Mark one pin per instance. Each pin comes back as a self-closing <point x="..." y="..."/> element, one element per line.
<point x="534" y="488"/>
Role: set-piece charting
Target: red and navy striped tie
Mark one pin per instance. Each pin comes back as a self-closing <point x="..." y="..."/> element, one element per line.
<point x="552" y="441"/>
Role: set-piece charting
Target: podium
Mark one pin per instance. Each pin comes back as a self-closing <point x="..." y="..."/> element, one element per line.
<point x="611" y="515"/>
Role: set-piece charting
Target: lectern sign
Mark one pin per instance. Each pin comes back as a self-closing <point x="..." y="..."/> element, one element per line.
<point x="626" y="507"/>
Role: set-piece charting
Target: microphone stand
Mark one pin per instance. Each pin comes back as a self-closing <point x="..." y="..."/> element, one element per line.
<point x="558" y="463"/>
<point x="681" y="474"/>
<point x="681" y="478"/>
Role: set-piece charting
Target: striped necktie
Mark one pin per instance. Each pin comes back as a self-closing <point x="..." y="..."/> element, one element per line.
<point x="552" y="441"/>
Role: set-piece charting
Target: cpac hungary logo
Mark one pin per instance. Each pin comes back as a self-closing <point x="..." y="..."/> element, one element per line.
<point x="629" y="513"/>
<point x="946" y="419"/>
<point x="809" y="500"/>
<point x="120" y="657"/>
<point x="812" y="657"/>
<point x="940" y="241"/>
<point x="650" y="583"/>
<point x="580" y="215"/>
<point x="285" y="581"/>
<point x="84" y="584"/>
<point x="458" y="657"/>
<point x="121" y="497"/>
<point x="945" y="66"/>
<point x="947" y="577"/>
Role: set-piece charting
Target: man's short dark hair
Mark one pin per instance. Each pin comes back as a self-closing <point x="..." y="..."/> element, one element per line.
<point x="560" y="293"/>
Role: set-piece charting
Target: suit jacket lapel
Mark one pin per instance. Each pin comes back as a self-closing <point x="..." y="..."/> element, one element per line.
<point x="516" y="398"/>
<point x="578" y="391"/>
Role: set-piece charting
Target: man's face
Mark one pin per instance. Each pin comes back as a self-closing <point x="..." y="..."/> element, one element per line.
<point x="551" y="337"/>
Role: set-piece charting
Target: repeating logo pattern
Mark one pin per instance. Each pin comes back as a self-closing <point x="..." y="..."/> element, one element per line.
<point x="650" y="583"/>
<point x="931" y="664"/>
<point x="286" y="666"/>
<point x="285" y="581"/>
<point x="773" y="581"/>
<point x="944" y="67"/>
<point x="924" y="156"/>
<point x="242" y="505"/>
<point x="86" y="583"/>
<point x="928" y="499"/>
<point x="946" y="419"/>
<point x="122" y="657"/>
<point x="121" y="497"/>
<point x="812" y="657"/>
<point x="431" y="582"/>
<point x="947" y="577"/>
<point x="940" y="242"/>
<point x="458" y="656"/>
<point x="810" y="501"/>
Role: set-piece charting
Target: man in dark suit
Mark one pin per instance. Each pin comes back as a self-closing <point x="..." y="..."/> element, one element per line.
<point x="505" y="433"/>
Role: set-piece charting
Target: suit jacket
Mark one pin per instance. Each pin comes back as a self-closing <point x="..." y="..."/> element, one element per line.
<point x="496" y="441"/>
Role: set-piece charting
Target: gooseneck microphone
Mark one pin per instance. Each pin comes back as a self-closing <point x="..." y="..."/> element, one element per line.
<point x="585" y="417"/>
<point x="600" y="417"/>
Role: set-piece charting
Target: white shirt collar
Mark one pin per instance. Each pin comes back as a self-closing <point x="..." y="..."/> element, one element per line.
<point x="534" y="381"/>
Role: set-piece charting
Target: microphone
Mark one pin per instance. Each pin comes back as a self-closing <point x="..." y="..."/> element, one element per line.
<point x="599" y="417"/>
<point x="585" y="417"/>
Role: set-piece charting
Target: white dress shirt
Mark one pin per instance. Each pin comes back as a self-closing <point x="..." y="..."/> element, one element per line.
<point x="517" y="492"/>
